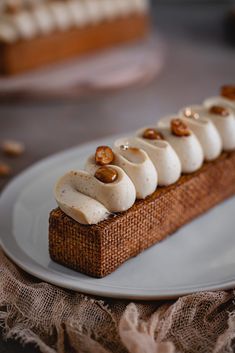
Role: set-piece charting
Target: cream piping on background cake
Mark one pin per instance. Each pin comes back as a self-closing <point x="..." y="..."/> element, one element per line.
<point x="78" y="13"/>
<point x="60" y="14"/>
<point x="8" y="33"/>
<point x="42" y="17"/>
<point x="24" y="24"/>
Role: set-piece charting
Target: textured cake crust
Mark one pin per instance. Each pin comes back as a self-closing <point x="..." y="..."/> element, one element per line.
<point x="30" y="54"/>
<point x="98" y="250"/>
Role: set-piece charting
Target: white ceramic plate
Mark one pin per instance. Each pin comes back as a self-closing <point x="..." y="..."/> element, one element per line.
<point x="200" y="256"/>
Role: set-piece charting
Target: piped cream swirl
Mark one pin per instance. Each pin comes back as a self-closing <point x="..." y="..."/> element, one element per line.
<point x="87" y="200"/>
<point x="188" y="148"/>
<point x="23" y="24"/>
<point x="138" y="166"/>
<point x="77" y="205"/>
<point x="197" y="119"/>
<point x="43" y="19"/>
<point x="60" y="15"/>
<point x="224" y="124"/>
<point x="221" y="101"/>
<point x="162" y="155"/>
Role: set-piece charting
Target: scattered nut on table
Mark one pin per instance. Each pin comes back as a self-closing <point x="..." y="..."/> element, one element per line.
<point x="13" y="148"/>
<point x="5" y="170"/>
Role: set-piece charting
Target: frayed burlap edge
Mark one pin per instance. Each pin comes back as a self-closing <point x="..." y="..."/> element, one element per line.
<point x="62" y="321"/>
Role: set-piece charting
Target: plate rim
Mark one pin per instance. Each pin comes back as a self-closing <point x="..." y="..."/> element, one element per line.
<point x="226" y="285"/>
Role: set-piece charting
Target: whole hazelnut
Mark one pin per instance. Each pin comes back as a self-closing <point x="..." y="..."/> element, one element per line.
<point x="179" y="128"/>
<point x="219" y="110"/>
<point x="106" y="175"/>
<point x="152" y="134"/>
<point x="104" y="155"/>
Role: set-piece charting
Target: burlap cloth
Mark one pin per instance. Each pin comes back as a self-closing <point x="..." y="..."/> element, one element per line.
<point x="59" y="320"/>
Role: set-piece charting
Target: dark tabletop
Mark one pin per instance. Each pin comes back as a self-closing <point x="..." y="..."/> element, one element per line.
<point x="198" y="61"/>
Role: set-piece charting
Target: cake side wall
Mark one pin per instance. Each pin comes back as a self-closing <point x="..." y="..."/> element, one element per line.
<point x="73" y="246"/>
<point x="166" y="211"/>
<point x="98" y="250"/>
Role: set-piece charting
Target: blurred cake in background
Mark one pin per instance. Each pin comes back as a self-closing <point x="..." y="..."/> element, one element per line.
<point x="34" y="33"/>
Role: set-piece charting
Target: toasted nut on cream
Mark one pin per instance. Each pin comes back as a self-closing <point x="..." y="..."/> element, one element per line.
<point x="13" y="148"/>
<point x="152" y="134"/>
<point x="5" y="170"/>
<point x="219" y="110"/>
<point x="104" y="155"/>
<point x="106" y="175"/>
<point x="179" y="128"/>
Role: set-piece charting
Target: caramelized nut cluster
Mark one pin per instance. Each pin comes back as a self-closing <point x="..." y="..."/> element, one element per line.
<point x="218" y="110"/>
<point x="104" y="155"/>
<point x="106" y="175"/>
<point x="152" y="134"/>
<point x="179" y="128"/>
<point x="228" y="91"/>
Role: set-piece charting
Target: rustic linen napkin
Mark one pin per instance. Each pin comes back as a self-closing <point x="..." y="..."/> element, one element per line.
<point x="59" y="320"/>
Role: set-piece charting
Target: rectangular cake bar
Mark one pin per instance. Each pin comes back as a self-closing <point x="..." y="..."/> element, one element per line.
<point x="24" y="55"/>
<point x="98" y="250"/>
